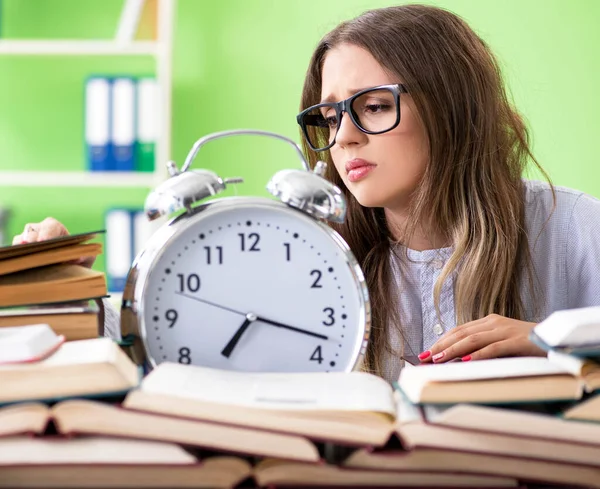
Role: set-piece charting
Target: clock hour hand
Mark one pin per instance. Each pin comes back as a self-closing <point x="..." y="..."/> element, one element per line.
<point x="228" y="350"/>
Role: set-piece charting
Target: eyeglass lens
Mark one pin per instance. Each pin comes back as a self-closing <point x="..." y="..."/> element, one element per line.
<point x="373" y="111"/>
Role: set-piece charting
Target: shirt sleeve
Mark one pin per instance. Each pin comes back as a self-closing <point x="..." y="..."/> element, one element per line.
<point x="583" y="254"/>
<point x="112" y="321"/>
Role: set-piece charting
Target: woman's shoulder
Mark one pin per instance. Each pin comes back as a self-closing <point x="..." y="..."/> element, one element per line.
<point x="558" y="208"/>
<point x="553" y="199"/>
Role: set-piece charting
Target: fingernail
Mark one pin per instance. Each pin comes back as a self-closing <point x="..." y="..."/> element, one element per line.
<point x="438" y="356"/>
<point x="424" y="355"/>
<point x="24" y="241"/>
<point x="466" y="358"/>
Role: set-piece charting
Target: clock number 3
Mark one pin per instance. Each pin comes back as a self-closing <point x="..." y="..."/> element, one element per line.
<point x="330" y="318"/>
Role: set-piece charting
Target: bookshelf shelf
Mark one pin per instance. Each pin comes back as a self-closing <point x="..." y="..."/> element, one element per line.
<point x="78" y="48"/>
<point x="77" y="179"/>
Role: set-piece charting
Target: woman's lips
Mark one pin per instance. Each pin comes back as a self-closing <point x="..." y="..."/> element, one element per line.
<point x="358" y="169"/>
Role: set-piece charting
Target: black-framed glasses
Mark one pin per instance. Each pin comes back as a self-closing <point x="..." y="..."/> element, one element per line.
<point x="374" y="111"/>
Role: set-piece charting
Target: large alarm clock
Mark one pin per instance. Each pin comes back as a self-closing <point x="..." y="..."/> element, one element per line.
<point x="247" y="283"/>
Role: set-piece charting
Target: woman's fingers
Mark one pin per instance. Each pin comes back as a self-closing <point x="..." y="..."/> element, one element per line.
<point x="40" y="231"/>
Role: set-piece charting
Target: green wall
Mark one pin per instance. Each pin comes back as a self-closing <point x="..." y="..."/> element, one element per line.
<point x="240" y="63"/>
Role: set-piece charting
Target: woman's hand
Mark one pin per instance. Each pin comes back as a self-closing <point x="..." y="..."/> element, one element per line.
<point x="491" y="337"/>
<point x="47" y="229"/>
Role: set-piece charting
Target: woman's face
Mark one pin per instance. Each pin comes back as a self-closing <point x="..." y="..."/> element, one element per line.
<point x="381" y="170"/>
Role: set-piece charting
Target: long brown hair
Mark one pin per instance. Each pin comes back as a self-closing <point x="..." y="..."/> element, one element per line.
<point x="471" y="192"/>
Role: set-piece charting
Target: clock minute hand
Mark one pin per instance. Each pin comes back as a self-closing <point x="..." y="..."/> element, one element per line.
<point x="292" y="328"/>
<point x="258" y="318"/>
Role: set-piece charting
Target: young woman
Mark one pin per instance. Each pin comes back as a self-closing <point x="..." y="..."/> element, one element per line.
<point x="462" y="256"/>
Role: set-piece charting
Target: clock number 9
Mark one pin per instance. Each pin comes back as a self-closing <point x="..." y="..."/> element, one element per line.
<point x="171" y="315"/>
<point x="192" y="282"/>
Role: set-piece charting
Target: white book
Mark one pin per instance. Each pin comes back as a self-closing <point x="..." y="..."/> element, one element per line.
<point x="570" y="328"/>
<point x="21" y="344"/>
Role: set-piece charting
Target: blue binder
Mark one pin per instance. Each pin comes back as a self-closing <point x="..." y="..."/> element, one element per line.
<point x="123" y="124"/>
<point x="97" y="123"/>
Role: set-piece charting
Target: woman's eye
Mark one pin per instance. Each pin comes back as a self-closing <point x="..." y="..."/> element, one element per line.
<point x="331" y="121"/>
<point x="376" y="108"/>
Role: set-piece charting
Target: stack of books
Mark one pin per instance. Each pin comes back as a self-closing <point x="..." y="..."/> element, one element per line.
<point x="473" y="424"/>
<point x="41" y="283"/>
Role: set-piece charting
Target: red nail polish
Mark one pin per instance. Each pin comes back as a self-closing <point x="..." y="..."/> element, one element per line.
<point x="466" y="358"/>
<point x="424" y="355"/>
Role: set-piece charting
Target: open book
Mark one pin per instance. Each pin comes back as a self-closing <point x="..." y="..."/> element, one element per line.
<point x="353" y="408"/>
<point x="43" y="272"/>
<point x="489" y="440"/>
<point x="38" y="247"/>
<point x="84" y="417"/>
<point x="574" y="331"/>
<point x="24" y="344"/>
<point x="111" y="462"/>
<point x="349" y="408"/>
<point x="95" y="367"/>
<point x="92" y="462"/>
<point x="50" y="256"/>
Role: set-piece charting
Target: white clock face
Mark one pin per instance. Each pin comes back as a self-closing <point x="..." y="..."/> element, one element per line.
<point x="259" y="287"/>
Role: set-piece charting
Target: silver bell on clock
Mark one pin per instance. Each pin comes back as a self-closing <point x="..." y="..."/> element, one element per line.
<point x="247" y="283"/>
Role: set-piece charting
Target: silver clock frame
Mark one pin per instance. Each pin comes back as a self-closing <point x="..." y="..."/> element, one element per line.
<point x="133" y="324"/>
<point x="303" y="194"/>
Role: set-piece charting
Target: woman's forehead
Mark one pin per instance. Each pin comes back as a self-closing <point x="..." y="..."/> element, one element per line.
<point x="348" y="69"/>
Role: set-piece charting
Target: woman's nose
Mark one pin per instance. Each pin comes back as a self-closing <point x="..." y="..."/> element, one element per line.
<point x="348" y="133"/>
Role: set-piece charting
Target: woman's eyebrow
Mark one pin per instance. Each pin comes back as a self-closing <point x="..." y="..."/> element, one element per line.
<point x="351" y="91"/>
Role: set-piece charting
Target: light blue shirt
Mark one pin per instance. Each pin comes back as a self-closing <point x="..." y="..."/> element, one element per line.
<point x="565" y="252"/>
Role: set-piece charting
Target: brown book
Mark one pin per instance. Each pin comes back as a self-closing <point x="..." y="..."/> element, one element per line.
<point x="82" y="462"/>
<point x="49" y="257"/>
<point x="53" y="283"/>
<point x="94" y="367"/>
<point x="280" y="473"/>
<point x="73" y="320"/>
<point x="82" y="417"/>
<point x="93" y="461"/>
<point x="588" y="410"/>
<point x="13" y="251"/>
<point x="492" y="441"/>
<point x="501" y="380"/>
